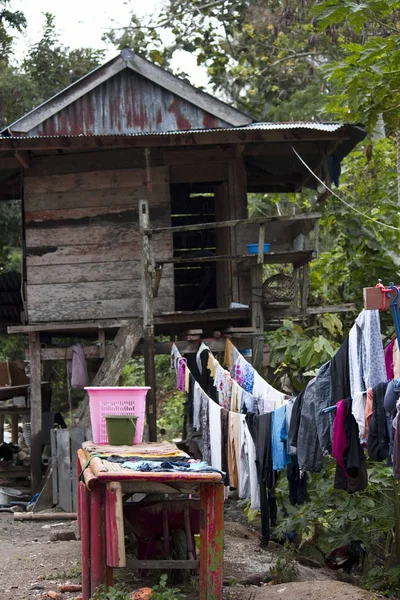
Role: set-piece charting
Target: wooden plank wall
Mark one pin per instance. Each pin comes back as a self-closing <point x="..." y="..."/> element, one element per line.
<point x="83" y="241"/>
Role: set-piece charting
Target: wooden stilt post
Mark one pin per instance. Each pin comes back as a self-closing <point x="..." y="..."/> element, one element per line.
<point x="2" y="419"/>
<point x="14" y="429"/>
<point x="36" y="410"/>
<point x="148" y="319"/>
<point x="257" y="317"/>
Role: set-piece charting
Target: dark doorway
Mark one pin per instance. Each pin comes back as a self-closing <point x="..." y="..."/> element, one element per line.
<point x="195" y="282"/>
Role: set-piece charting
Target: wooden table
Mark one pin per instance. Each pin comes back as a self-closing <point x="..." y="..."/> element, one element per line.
<point x="101" y="521"/>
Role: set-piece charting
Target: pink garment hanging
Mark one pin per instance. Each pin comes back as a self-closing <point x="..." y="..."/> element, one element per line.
<point x="339" y="437"/>
<point x="389" y="360"/>
<point x="180" y="374"/>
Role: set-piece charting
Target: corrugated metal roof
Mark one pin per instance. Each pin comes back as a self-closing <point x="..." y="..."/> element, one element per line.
<point x="127" y="103"/>
<point x="136" y="68"/>
<point x="266" y="126"/>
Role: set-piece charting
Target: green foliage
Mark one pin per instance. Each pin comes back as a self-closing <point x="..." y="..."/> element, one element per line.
<point x="50" y="67"/>
<point x="333" y="518"/>
<point x="297" y="353"/>
<point x="367" y="76"/>
<point x="12" y="347"/>
<point x="10" y="21"/>
<point x="162" y="592"/>
<point x="265" y="56"/>
<point x="284" y="570"/>
<point x="112" y="593"/>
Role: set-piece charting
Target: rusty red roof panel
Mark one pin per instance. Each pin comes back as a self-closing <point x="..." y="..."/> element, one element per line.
<point x="127" y="103"/>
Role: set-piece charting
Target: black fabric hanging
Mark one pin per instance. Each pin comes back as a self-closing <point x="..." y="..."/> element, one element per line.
<point x="340" y="374"/>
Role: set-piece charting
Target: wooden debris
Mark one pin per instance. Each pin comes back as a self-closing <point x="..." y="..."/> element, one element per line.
<point x="44" y="516"/>
<point x="70" y="587"/>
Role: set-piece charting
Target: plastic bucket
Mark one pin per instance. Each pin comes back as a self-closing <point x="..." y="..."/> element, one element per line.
<point x="112" y="401"/>
<point x="121" y="430"/>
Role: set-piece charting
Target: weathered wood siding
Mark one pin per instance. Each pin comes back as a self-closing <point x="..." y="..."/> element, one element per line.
<point x="83" y="242"/>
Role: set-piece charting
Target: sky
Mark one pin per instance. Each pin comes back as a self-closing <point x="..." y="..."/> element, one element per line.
<point x="81" y="23"/>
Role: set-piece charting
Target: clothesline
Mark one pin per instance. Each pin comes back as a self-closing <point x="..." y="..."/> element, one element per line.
<point x="252" y="431"/>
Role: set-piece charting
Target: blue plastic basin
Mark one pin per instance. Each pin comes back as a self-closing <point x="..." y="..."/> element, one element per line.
<point x="253" y="248"/>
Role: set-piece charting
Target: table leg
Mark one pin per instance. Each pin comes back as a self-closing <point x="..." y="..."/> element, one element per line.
<point x="97" y="538"/>
<point x="78" y="511"/>
<point x="211" y="541"/>
<point x="83" y="512"/>
<point x="115" y="532"/>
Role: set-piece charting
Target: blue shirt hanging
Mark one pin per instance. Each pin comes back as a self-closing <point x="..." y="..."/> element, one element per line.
<point x="280" y="457"/>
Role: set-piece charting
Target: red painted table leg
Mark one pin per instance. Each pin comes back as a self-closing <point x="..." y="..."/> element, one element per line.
<point x="83" y="512"/>
<point x="211" y="541"/>
<point x="97" y="538"/>
<point x="78" y="471"/>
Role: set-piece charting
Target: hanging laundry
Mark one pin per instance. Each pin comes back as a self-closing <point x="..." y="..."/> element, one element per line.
<point x="389" y="350"/>
<point x="261" y="432"/>
<point x="368" y="410"/>
<point x="297" y="483"/>
<point x="291" y="450"/>
<point x="366" y="355"/>
<point x="309" y="452"/>
<point x="340" y="373"/>
<point x="234" y="449"/>
<point x="205" y="446"/>
<point x="248" y="378"/>
<point x="223" y="385"/>
<point x="214" y="425"/>
<point x="180" y="375"/>
<point x="351" y="471"/>
<point x="293" y="432"/>
<point x="396" y="443"/>
<point x="225" y="444"/>
<point x="248" y="482"/>
<point x="280" y="457"/>
<point x="267" y="393"/>
<point x="175" y="356"/>
<point x="236" y="396"/>
<point x="358" y="408"/>
<point x="339" y="441"/>
<point x="396" y="360"/>
<point x="77" y="369"/>
<point x="197" y="403"/>
<point x="378" y="439"/>
<point x="228" y="356"/>
<point x="323" y="396"/>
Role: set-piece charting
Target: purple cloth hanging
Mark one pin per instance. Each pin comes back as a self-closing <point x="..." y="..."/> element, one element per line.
<point x="389" y="360"/>
<point x="180" y="374"/>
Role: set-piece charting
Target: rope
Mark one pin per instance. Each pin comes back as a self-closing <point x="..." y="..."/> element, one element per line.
<point x="341" y="199"/>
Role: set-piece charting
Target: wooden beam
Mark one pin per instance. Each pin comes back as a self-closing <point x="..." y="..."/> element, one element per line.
<point x="218" y="137"/>
<point x="257" y="316"/>
<point x="232" y="223"/>
<point x="284" y="313"/>
<point x="36" y="411"/>
<point x="148" y="319"/>
<point x="23" y="158"/>
<point x="173" y="318"/>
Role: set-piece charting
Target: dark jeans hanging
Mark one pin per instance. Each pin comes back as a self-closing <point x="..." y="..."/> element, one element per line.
<point x="297" y="484"/>
<point x="260" y="428"/>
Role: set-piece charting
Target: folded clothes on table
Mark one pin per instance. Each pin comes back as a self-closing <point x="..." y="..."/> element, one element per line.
<point x="146" y="466"/>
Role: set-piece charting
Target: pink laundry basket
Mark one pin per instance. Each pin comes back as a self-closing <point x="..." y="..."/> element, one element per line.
<point x="125" y="401"/>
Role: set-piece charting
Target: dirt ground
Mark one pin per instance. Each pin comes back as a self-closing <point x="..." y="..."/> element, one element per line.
<point x="31" y="565"/>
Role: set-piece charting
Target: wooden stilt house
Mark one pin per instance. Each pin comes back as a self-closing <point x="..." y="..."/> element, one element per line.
<point x="133" y="188"/>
